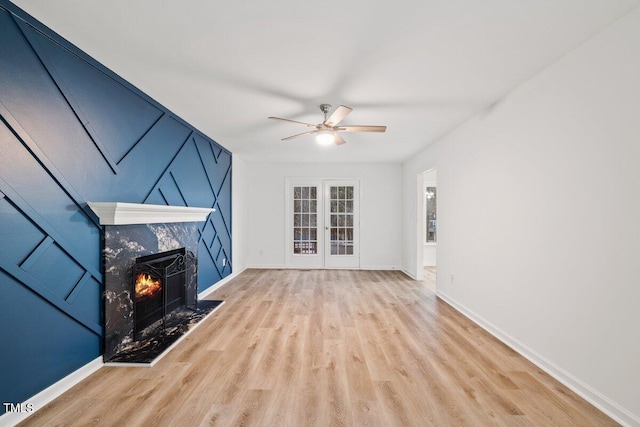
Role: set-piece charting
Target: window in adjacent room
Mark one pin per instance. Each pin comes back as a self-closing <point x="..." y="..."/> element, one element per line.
<point x="430" y="228"/>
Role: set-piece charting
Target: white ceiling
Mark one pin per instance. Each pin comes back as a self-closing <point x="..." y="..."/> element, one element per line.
<point x="420" y="67"/>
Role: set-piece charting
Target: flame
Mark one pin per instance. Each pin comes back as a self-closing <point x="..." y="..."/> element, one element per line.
<point x="146" y="286"/>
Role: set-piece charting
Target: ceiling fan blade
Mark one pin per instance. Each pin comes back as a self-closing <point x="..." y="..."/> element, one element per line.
<point x="361" y="128"/>
<point x="338" y="140"/>
<point x="336" y="117"/>
<point x="293" y="121"/>
<point x="299" y="134"/>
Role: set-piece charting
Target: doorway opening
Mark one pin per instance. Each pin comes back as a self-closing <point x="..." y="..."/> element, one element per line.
<point x="427" y="227"/>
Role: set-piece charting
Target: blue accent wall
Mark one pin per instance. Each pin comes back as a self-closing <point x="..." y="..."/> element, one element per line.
<point x="72" y="131"/>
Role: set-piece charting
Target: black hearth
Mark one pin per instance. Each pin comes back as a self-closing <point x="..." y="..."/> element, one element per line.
<point x="159" y="287"/>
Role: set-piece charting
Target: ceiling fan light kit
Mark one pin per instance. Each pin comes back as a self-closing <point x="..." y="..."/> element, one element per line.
<point x="325" y="137"/>
<point x="327" y="132"/>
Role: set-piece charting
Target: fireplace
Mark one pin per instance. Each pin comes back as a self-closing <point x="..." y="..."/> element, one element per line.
<point x="150" y="279"/>
<point x="159" y="287"/>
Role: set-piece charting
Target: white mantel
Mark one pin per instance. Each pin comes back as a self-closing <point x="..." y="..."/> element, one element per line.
<point x="119" y="213"/>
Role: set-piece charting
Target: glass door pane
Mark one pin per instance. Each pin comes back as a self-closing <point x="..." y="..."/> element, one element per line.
<point x="341" y="218"/>
<point x="305" y="219"/>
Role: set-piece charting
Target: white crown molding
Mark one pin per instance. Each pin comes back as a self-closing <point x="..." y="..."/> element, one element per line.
<point x="119" y="213"/>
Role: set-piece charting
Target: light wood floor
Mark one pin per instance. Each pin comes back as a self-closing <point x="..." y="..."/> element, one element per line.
<point x="430" y="278"/>
<point x="324" y="348"/>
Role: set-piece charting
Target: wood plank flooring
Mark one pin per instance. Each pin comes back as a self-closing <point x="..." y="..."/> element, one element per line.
<point x="325" y="348"/>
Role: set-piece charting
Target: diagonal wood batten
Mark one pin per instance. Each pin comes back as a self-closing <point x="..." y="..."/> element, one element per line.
<point x="328" y="347"/>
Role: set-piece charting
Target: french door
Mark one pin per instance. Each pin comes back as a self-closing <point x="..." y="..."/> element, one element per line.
<point x="342" y="219"/>
<point x="323" y="223"/>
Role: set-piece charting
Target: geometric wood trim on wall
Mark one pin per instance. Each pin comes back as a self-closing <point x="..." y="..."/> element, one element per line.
<point x="110" y="124"/>
<point x="72" y="131"/>
<point x="32" y="269"/>
<point x="202" y="161"/>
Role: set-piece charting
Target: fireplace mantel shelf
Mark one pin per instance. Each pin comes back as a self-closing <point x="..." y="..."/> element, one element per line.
<point x="119" y="213"/>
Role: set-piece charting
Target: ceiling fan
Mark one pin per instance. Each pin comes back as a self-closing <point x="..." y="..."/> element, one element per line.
<point x="327" y="131"/>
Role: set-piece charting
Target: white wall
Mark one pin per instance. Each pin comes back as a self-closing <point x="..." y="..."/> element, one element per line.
<point x="429" y="255"/>
<point x="239" y="213"/>
<point x="539" y="218"/>
<point x="380" y="210"/>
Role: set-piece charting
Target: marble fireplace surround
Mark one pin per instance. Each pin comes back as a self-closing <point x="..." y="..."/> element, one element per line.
<point x="132" y="230"/>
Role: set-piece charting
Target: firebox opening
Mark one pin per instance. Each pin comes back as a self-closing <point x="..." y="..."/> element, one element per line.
<point x="159" y="287"/>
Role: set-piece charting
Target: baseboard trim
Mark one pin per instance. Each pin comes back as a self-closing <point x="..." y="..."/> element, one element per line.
<point x="294" y="267"/>
<point x="52" y="392"/>
<point x="597" y="399"/>
<point x="269" y="267"/>
<point x="380" y="268"/>
<point x="408" y="273"/>
<point x="220" y="283"/>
